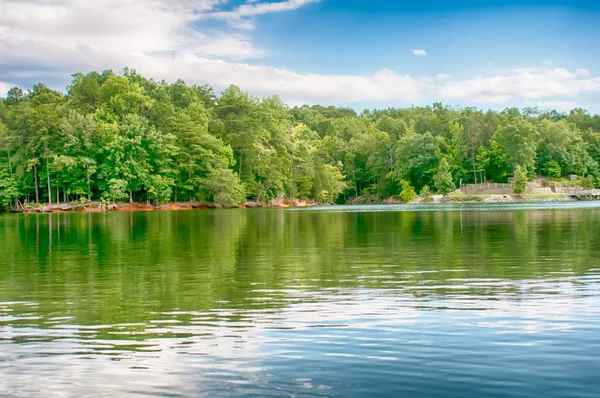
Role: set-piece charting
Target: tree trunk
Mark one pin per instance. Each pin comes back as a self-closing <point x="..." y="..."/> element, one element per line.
<point x="57" y="195"/>
<point x="191" y="191"/>
<point x="89" y="186"/>
<point x="292" y="180"/>
<point x="9" y="164"/>
<point x="35" y="181"/>
<point x="474" y="165"/>
<point x="48" y="175"/>
<point x="130" y="196"/>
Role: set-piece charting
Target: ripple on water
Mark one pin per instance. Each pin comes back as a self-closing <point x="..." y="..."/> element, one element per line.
<point x="303" y="303"/>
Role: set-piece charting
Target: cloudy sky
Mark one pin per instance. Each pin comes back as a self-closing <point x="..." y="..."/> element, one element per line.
<point x="376" y="53"/>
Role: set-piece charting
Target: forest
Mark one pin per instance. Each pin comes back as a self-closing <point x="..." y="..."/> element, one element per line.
<point x="123" y="137"/>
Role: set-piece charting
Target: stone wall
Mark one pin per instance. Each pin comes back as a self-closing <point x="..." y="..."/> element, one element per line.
<point x="503" y="189"/>
<point x="487" y="189"/>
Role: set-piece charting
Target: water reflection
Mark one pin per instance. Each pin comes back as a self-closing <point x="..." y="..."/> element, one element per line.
<point x="280" y="303"/>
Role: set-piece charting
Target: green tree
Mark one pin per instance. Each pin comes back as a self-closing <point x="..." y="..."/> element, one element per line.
<point x="408" y="193"/>
<point x="83" y="94"/>
<point x="416" y="157"/>
<point x="471" y="136"/>
<point x="521" y="181"/>
<point x="113" y="135"/>
<point x="222" y="187"/>
<point x="519" y="141"/>
<point x="117" y="190"/>
<point x="43" y="124"/>
<point x="552" y="169"/>
<point x="77" y="165"/>
<point x="159" y="188"/>
<point x="426" y="194"/>
<point x="443" y="179"/>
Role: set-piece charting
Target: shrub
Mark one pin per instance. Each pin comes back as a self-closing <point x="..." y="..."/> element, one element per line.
<point x="521" y="181"/>
<point x="408" y="193"/>
<point x="426" y="194"/>
<point x="117" y="189"/>
<point x="588" y="182"/>
<point x="443" y="179"/>
<point x="552" y="169"/>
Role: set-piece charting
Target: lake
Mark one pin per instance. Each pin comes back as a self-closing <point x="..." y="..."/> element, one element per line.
<point x="439" y="301"/>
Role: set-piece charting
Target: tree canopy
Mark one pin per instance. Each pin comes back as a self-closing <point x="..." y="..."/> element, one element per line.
<point x="121" y="136"/>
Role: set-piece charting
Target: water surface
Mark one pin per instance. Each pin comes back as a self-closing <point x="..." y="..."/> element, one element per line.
<point x="368" y="301"/>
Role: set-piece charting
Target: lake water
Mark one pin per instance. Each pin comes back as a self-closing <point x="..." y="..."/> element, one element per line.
<point x="482" y="301"/>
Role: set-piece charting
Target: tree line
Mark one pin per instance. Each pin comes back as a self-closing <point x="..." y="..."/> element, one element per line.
<point x="122" y="137"/>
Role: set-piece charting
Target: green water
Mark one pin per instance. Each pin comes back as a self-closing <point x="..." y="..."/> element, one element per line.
<point x="361" y="301"/>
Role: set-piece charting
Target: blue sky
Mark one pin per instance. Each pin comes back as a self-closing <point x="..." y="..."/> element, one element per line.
<point x="464" y="40"/>
<point x="491" y="54"/>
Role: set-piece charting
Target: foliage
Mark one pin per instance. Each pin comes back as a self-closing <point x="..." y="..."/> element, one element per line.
<point x="408" y="193"/>
<point x="121" y="136"/>
<point x="588" y="183"/>
<point x="116" y="190"/>
<point x="552" y="169"/>
<point x="443" y="179"/>
<point x="159" y="188"/>
<point x="223" y="188"/>
<point x="521" y="180"/>
<point x="426" y="194"/>
<point x="519" y="142"/>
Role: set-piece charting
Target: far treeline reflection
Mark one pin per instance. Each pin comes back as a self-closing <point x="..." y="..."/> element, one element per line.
<point x="110" y="268"/>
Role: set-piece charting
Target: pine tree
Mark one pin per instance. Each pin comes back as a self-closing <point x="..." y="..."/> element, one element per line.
<point x="443" y="179"/>
<point x="408" y="193"/>
<point x="521" y="181"/>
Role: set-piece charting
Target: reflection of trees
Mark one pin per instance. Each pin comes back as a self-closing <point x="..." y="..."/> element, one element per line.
<point x="114" y="268"/>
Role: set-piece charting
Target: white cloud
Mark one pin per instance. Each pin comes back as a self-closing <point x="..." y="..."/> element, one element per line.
<point x="238" y="18"/>
<point x="384" y="85"/>
<point x="419" y="53"/>
<point x="558" y="105"/>
<point x="119" y="31"/>
<point x="242" y="24"/>
<point x="45" y="40"/>
<point x="4" y="87"/>
<point x="253" y="9"/>
<point x="533" y="83"/>
<point x="582" y="73"/>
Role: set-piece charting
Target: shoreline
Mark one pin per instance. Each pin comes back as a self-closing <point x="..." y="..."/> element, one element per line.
<point x="99" y="207"/>
<point x="498" y="199"/>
